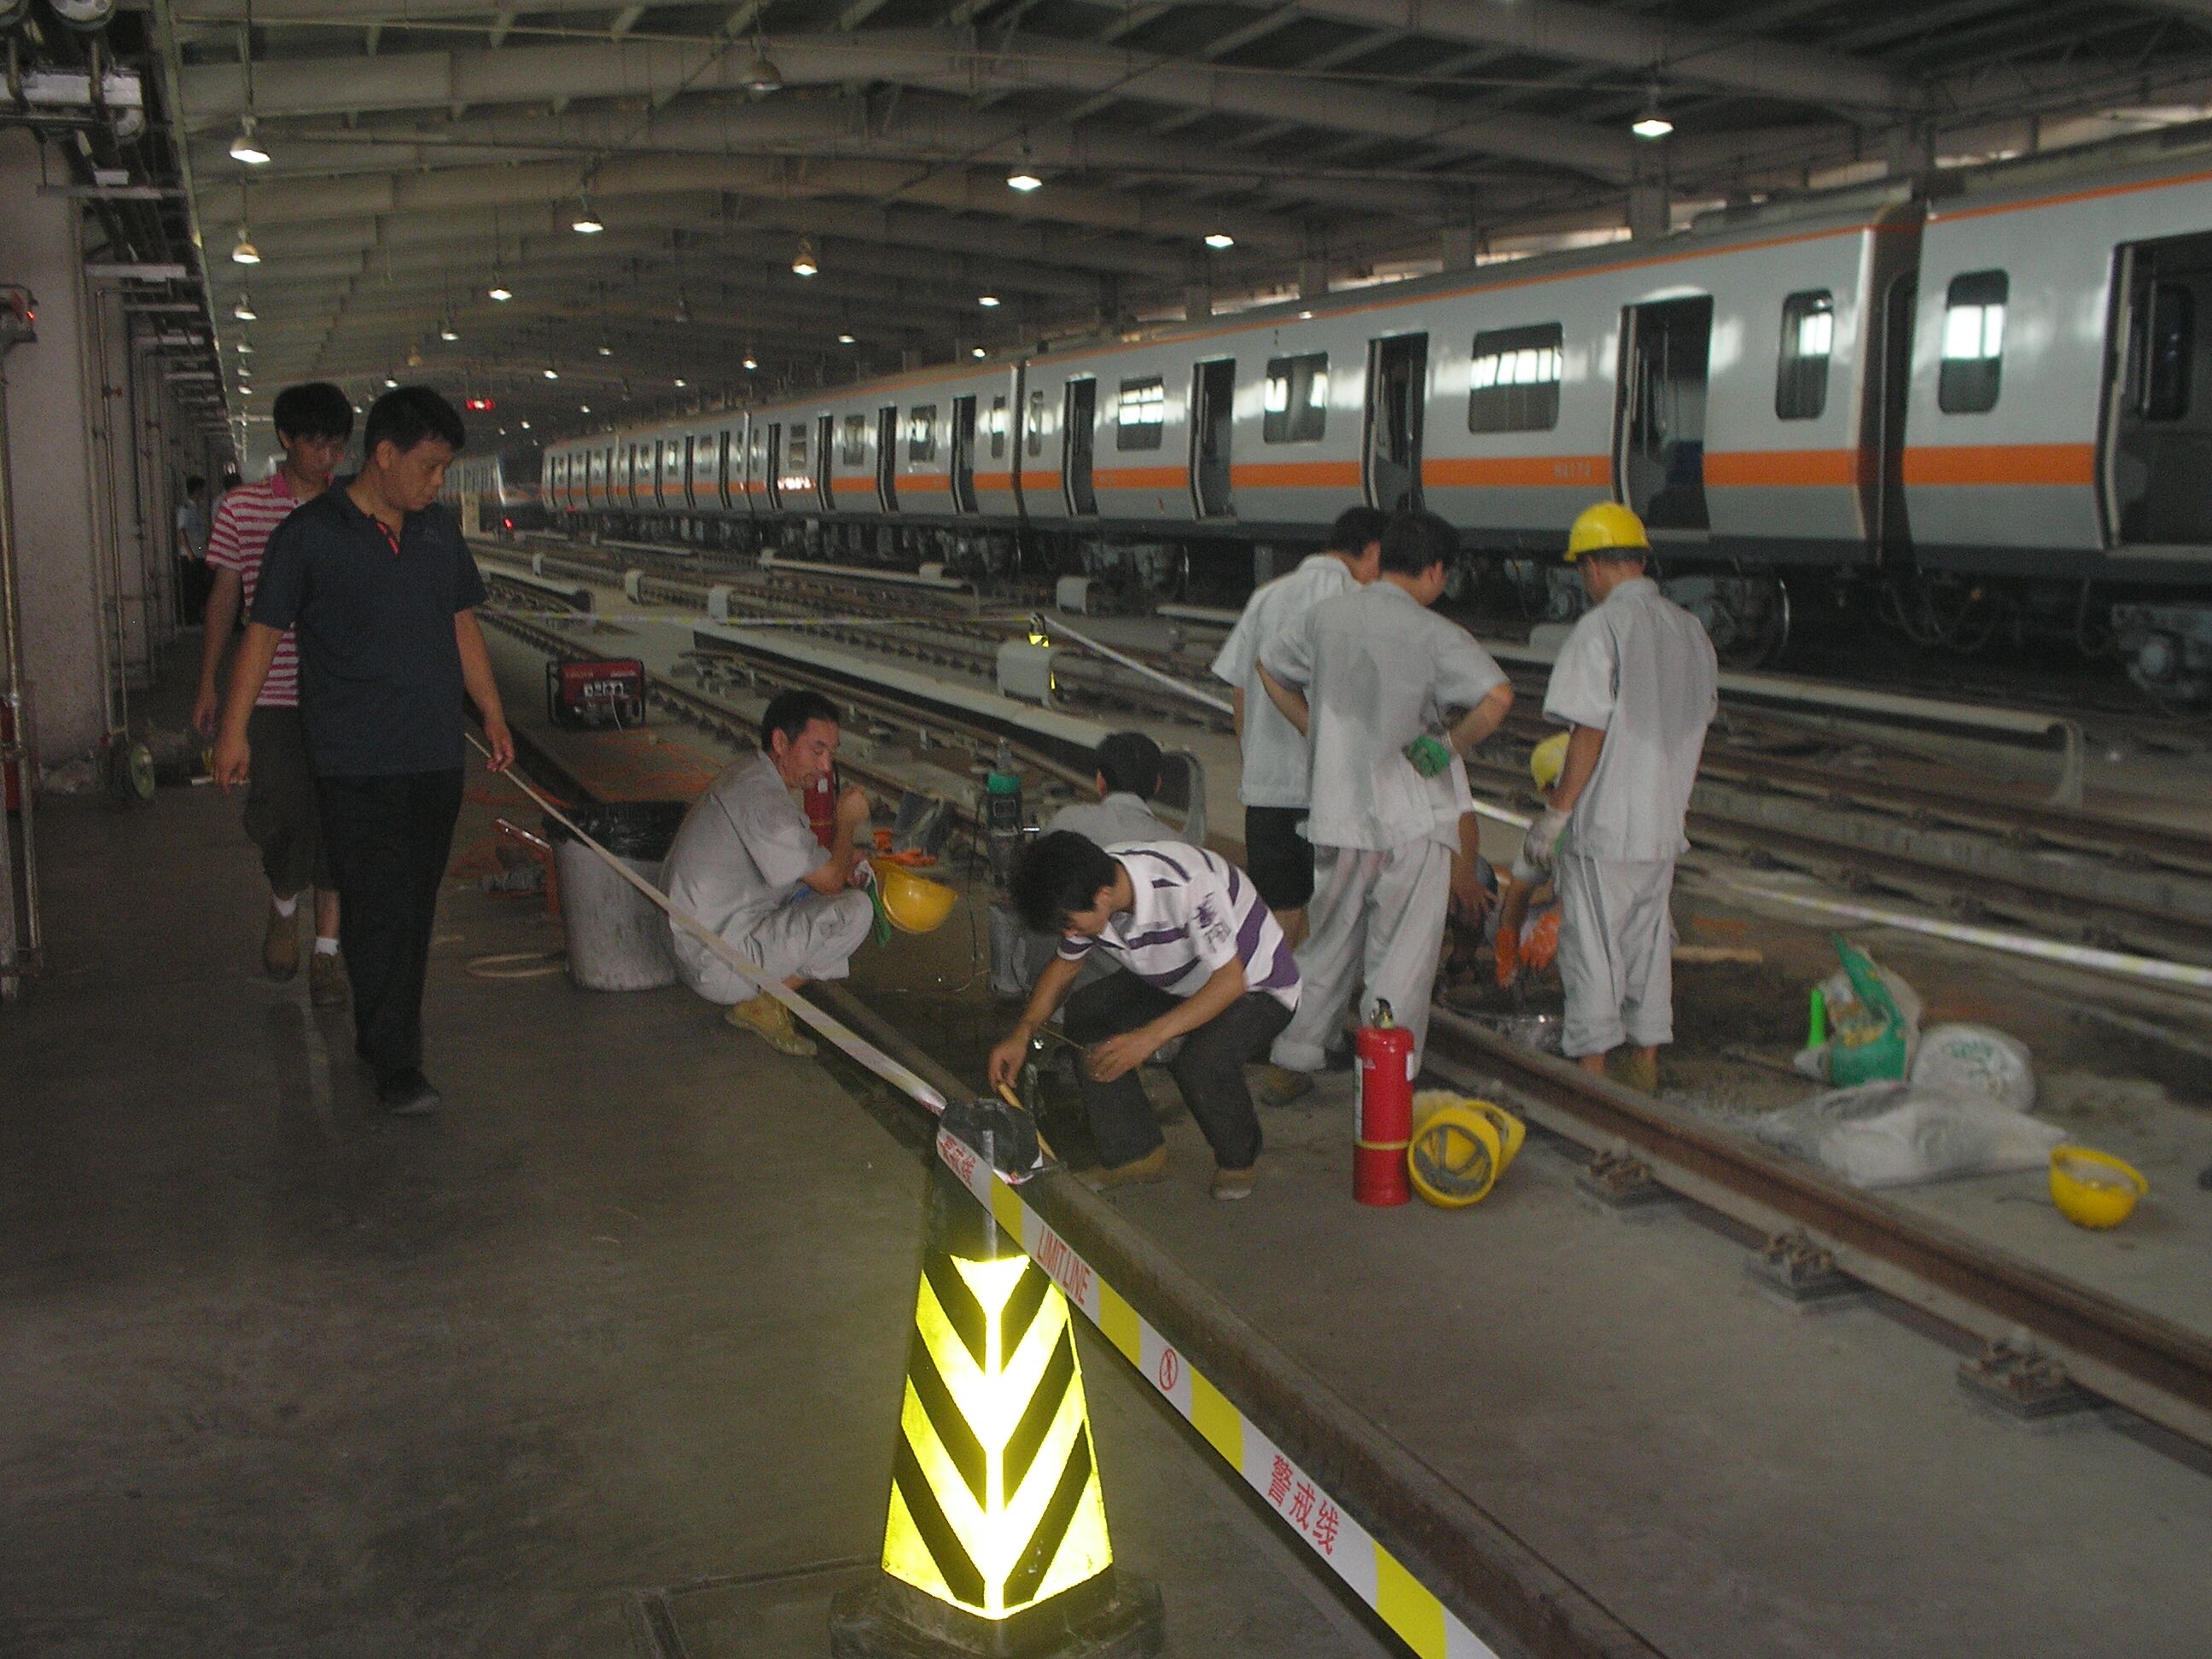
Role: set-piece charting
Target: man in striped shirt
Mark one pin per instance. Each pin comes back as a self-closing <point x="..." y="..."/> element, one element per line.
<point x="313" y="423"/>
<point x="1205" y="961"/>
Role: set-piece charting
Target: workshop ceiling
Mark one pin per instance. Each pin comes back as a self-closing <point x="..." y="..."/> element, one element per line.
<point x="425" y="153"/>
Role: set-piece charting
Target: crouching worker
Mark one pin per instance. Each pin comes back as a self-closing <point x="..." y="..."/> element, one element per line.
<point x="747" y="863"/>
<point x="1206" y="963"/>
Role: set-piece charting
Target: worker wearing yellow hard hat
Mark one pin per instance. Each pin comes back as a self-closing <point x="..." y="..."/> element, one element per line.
<point x="1526" y="924"/>
<point x="1636" y="685"/>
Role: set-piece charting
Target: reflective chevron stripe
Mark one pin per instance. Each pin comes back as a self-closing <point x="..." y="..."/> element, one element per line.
<point x="1303" y="1504"/>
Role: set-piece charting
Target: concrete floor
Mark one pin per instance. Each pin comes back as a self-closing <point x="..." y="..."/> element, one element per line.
<point x="286" y="1377"/>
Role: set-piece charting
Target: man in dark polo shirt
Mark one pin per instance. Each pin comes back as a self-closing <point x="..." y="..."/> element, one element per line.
<point x="377" y="584"/>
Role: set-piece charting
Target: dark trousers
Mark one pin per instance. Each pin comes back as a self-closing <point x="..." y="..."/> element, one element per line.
<point x="388" y="839"/>
<point x="1209" y="1069"/>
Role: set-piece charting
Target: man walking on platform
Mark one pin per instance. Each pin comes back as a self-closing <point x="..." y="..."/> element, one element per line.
<point x="312" y="424"/>
<point x="1276" y="780"/>
<point x="376" y="579"/>
<point x="1636" y="684"/>
<point x="1373" y="677"/>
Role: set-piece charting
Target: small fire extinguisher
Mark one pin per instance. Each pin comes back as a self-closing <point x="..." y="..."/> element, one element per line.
<point x="820" y="800"/>
<point x="1386" y="1110"/>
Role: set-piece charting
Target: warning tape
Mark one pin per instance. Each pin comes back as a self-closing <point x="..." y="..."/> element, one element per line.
<point x="1346" y="1547"/>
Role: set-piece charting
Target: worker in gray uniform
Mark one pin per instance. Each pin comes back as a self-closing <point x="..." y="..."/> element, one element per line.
<point x="748" y="864"/>
<point x="1275" y="780"/>
<point x="1636" y="684"/>
<point x="1391" y="696"/>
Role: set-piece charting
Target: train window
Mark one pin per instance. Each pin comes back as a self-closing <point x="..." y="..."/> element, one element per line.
<point x="998" y="429"/>
<point x="1295" y="398"/>
<point x="1809" y="337"/>
<point x="1973" y="343"/>
<point x="853" y="446"/>
<point x="1513" y="380"/>
<point x="1139" y="412"/>
<point x="2162" y="390"/>
<point x="1036" y="424"/>
<point x="921" y="433"/>
<point x="795" y="451"/>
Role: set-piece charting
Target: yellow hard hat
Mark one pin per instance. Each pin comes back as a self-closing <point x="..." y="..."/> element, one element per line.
<point x="915" y="904"/>
<point x="1460" y="1147"/>
<point x="2092" y="1188"/>
<point x="1548" y="759"/>
<point x="1608" y="524"/>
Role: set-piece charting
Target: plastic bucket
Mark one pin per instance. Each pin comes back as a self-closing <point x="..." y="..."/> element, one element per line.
<point x="617" y="937"/>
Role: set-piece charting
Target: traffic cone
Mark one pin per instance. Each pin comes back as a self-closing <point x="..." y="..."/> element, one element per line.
<point x="996" y="1545"/>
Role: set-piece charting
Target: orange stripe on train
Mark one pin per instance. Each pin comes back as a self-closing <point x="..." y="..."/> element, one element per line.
<point x="2001" y="463"/>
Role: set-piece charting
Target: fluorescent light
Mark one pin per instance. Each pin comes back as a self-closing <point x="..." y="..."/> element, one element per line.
<point x="986" y="300"/>
<point x="1024" y="180"/>
<point x="1654" y="126"/>
<point x="246" y="147"/>
<point x="500" y="292"/>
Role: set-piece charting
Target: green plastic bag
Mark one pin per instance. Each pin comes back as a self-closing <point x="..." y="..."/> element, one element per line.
<point x="1869" y="1047"/>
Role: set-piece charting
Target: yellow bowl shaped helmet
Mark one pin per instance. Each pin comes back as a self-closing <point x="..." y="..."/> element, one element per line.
<point x="1608" y="524"/>
<point x="1548" y="759"/>
<point x="915" y="904"/>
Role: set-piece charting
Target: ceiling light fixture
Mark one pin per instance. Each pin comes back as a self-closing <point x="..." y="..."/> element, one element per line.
<point x="500" y="292"/>
<point x="245" y="313"/>
<point x="242" y="345"/>
<point x="446" y="330"/>
<point x="1023" y="179"/>
<point x="390" y="383"/>
<point x="243" y="252"/>
<point x="583" y="409"/>
<point x="679" y="383"/>
<point x="246" y="147"/>
<point x="989" y="301"/>
<point x="804" y="263"/>
<point x="586" y="222"/>
<point x="752" y="361"/>
<point x="1220" y="240"/>
<point x="526" y="426"/>
<point x="1651" y="125"/>
<point x="761" y="76"/>
<point x="975" y="351"/>
<point x="551" y="373"/>
<point x="606" y="351"/>
<point x="682" y="306"/>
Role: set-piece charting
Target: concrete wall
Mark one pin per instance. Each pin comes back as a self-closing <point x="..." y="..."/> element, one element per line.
<point x="51" y="451"/>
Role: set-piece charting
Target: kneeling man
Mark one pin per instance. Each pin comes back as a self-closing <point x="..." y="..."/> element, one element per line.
<point x="747" y="863"/>
<point x="1205" y="961"/>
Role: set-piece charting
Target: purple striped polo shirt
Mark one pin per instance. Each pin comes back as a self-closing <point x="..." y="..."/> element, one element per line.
<point x="1194" y="913"/>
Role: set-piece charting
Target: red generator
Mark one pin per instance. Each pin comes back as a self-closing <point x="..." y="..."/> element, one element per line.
<point x="596" y="691"/>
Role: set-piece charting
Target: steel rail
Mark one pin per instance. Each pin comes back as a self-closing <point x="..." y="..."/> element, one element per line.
<point x="2147" y="1364"/>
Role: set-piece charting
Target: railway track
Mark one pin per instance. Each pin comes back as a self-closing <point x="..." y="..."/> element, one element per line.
<point x="2080" y="876"/>
<point x="2036" y="1343"/>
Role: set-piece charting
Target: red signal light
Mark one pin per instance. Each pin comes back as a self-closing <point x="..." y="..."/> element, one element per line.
<point x="479" y="405"/>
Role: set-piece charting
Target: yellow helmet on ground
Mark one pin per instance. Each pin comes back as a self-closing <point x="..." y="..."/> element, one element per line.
<point x="915" y="904"/>
<point x="1548" y="759"/>
<point x="1608" y="524"/>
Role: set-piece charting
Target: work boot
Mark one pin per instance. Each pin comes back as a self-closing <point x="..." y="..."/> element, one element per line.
<point x="1153" y="1166"/>
<point x="1637" y="1070"/>
<point x="280" y="945"/>
<point x="408" y="1094"/>
<point x="1280" y="1085"/>
<point x="1232" y="1184"/>
<point x="326" y="980"/>
<point x="771" y="1021"/>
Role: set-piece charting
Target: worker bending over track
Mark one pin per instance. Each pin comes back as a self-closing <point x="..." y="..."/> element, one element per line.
<point x="1277" y="779"/>
<point x="1205" y="961"/>
<point x="1371" y="676"/>
<point x="1637" y="683"/>
<point x="747" y="863"/>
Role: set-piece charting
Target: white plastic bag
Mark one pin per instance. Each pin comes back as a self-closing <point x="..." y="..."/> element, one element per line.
<point x="1893" y="1134"/>
<point x="1976" y="1061"/>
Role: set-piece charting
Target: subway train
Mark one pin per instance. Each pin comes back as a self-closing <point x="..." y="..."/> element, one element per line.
<point x="497" y="492"/>
<point x="1981" y="397"/>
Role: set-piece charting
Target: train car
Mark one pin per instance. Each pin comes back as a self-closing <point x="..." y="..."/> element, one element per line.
<point x="498" y="493"/>
<point x="1983" y="396"/>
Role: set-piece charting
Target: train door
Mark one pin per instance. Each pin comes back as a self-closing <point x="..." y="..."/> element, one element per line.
<point x="756" y="466"/>
<point x="771" y="476"/>
<point x="1078" y="432"/>
<point x="1213" y="410"/>
<point x="1898" y="303"/>
<point x="964" y="455"/>
<point x="887" y="432"/>
<point x="1659" y="439"/>
<point x="1397" y="392"/>
<point x="826" y="431"/>
<point x="2158" y="447"/>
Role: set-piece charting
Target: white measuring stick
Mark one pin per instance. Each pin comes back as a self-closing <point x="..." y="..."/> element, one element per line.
<point x="1991" y="938"/>
<point x="1500" y="815"/>
<point x="1132" y="664"/>
<point x="836" y="1029"/>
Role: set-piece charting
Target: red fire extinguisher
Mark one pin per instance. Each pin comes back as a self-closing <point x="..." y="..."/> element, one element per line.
<point x="820" y="800"/>
<point x="1386" y="1110"/>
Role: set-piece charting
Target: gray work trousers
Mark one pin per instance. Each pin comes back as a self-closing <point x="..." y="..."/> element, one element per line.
<point x="1616" y="952"/>
<point x="1379" y="916"/>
